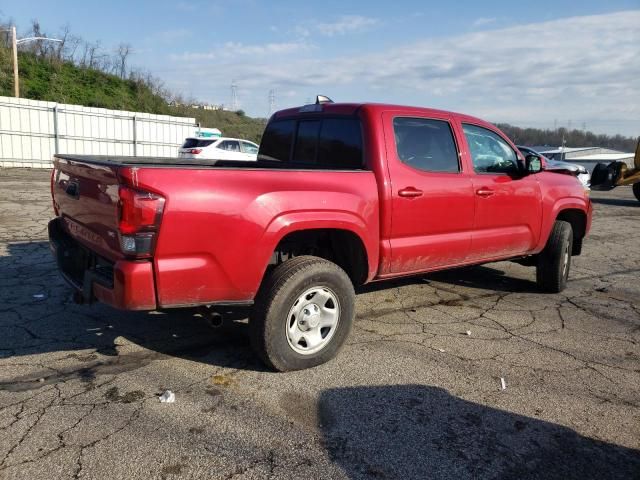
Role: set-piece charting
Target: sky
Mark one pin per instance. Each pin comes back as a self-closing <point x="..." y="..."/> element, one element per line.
<point x="539" y="64"/>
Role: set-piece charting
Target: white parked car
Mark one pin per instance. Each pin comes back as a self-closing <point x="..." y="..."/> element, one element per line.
<point x="218" y="148"/>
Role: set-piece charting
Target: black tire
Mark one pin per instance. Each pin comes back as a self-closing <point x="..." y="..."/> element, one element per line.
<point x="554" y="262"/>
<point x="277" y="296"/>
<point x="636" y="190"/>
<point x="599" y="175"/>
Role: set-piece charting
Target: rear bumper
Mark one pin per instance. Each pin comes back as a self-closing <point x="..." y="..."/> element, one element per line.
<point x="127" y="285"/>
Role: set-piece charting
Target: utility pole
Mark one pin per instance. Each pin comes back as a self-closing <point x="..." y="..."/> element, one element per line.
<point x="16" y="78"/>
<point x="14" y="46"/>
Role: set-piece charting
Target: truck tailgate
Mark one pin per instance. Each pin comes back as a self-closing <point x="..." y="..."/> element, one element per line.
<point x="86" y="197"/>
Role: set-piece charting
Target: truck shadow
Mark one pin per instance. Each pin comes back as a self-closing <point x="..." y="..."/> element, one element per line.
<point x="480" y="277"/>
<point x="37" y="315"/>
<point x="419" y="432"/>
<point x="616" y="202"/>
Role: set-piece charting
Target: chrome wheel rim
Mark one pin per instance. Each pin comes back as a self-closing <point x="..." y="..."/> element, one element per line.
<point x="565" y="262"/>
<point x="313" y="320"/>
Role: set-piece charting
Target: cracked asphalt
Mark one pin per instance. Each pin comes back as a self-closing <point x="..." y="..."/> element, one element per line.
<point x="412" y="395"/>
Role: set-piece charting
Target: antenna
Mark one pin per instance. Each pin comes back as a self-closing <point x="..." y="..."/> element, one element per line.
<point x="234" y="95"/>
<point x="272" y="101"/>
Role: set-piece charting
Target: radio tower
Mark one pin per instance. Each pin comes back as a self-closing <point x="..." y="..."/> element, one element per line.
<point x="272" y="101"/>
<point x="234" y="96"/>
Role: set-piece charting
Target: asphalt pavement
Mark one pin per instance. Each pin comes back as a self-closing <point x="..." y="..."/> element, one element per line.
<point x="416" y="393"/>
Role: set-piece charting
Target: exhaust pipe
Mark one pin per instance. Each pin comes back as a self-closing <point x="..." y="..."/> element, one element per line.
<point x="212" y="317"/>
<point x="215" y="319"/>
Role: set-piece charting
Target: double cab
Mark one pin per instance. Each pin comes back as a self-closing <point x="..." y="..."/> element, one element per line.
<point x="341" y="195"/>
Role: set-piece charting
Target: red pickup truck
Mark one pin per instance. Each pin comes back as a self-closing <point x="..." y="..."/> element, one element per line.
<point x="341" y="195"/>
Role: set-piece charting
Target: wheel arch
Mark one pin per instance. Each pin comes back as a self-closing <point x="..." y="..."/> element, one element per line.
<point x="342" y="246"/>
<point x="577" y="218"/>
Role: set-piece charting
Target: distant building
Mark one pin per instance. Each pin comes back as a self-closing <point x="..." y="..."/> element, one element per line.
<point x="587" y="156"/>
<point x="198" y="106"/>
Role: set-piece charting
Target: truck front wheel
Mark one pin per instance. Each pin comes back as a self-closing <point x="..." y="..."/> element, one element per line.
<point x="636" y="190"/>
<point x="302" y="314"/>
<point x="554" y="262"/>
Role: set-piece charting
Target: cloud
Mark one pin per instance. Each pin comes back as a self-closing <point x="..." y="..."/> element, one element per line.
<point x="233" y="50"/>
<point x="343" y="25"/>
<point x="346" y="24"/>
<point x="581" y="68"/>
<point x="479" y="22"/>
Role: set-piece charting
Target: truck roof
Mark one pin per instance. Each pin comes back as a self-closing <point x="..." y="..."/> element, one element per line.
<point x="352" y="108"/>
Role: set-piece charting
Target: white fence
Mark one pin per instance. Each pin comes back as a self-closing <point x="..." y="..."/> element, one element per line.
<point x="31" y="131"/>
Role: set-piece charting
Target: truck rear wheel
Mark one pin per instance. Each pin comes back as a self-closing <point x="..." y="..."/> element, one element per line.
<point x="303" y="314"/>
<point x="636" y="190"/>
<point x="554" y="262"/>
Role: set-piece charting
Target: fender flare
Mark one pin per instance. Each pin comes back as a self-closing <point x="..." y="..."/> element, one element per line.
<point x="569" y="203"/>
<point x="290" y="222"/>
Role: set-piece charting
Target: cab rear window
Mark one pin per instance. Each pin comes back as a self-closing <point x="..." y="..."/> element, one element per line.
<point x="322" y="143"/>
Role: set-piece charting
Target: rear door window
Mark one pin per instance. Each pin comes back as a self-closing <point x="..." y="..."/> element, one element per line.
<point x="426" y="144"/>
<point x="230" y="145"/>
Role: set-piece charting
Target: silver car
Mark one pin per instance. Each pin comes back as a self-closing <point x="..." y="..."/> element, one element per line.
<point x="561" y="167"/>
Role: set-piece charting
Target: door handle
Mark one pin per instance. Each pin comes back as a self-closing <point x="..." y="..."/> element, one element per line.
<point x="484" y="192"/>
<point x="410" y="192"/>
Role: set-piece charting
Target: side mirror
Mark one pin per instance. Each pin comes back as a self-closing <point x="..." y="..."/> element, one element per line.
<point x="533" y="163"/>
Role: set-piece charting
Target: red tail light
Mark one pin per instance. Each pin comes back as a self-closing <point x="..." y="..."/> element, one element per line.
<point x="195" y="151"/>
<point x="139" y="216"/>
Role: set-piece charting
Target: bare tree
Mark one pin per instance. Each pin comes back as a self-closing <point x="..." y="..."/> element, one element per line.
<point x="71" y="48"/>
<point x="122" y="54"/>
<point x="93" y="54"/>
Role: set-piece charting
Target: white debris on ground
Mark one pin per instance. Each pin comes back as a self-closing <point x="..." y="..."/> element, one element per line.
<point x="468" y="333"/>
<point x="167" y="397"/>
<point x="503" y="383"/>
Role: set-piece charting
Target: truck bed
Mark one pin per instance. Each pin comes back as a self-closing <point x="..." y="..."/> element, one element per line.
<point x="126" y="161"/>
<point x="172" y="162"/>
<point x="221" y="220"/>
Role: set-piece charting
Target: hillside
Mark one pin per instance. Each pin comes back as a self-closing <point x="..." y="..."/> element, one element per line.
<point x="64" y="82"/>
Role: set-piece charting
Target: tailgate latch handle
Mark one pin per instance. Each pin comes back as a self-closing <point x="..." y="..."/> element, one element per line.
<point x="73" y="190"/>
